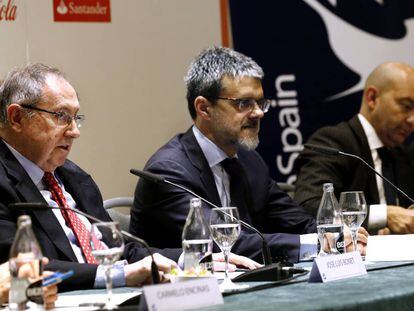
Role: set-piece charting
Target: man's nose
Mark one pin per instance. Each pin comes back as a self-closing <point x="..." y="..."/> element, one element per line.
<point x="410" y="120"/>
<point x="73" y="130"/>
<point x="257" y="112"/>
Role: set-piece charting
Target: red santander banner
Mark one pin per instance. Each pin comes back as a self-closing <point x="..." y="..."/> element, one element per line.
<point x="82" y="11"/>
<point x="8" y="10"/>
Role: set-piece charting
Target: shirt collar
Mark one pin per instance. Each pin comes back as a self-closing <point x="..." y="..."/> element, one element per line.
<point x="374" y="141"/>
<point x="212" y="152"/>
<point x="34" y="171"/>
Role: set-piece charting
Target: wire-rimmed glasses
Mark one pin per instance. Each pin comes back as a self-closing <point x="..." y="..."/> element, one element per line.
<point x="63" y="119"/>
<point x="248" y="104"/>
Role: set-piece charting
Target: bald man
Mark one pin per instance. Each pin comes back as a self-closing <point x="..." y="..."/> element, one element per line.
<point x="376" y="134"/>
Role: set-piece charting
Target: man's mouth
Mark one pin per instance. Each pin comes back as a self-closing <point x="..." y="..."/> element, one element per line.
<point x="403" y="132"/>
<point x="64" y="147"/>
<point x="254" y="126"/>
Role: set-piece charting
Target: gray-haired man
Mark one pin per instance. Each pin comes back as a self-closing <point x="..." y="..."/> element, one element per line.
<point x="226" y="102"/>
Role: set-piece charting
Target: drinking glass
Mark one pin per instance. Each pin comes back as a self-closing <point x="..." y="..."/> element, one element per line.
<point x="354" y="211"/>
<point x="225" y="229"/>
<point x="107" y="247"/>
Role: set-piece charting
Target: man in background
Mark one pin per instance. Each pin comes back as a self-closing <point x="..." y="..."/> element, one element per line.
<point x="376" y="134"/>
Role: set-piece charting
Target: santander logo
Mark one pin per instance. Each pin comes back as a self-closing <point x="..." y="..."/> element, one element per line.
<point x="81" y="10"/>
<point x="62" y="8"/>
<point x="8" y="10"/>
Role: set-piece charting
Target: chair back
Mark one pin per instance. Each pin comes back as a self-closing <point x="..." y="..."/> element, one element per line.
<point x="114" y="206"/>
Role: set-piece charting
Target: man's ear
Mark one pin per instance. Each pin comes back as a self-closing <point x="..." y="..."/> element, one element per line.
<point x="371" y="95"/>
<point x="202" y="107"/>
<point x="15" y="116"/>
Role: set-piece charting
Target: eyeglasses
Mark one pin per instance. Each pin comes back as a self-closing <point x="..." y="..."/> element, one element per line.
<point x="248" y="104"/>
<point x="62" y="118"/>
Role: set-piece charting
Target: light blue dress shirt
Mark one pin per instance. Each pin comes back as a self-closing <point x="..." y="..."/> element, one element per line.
<point x="214" y="155"/>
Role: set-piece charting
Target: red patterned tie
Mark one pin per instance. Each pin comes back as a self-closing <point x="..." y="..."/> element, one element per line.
<point x="77" y="226"/>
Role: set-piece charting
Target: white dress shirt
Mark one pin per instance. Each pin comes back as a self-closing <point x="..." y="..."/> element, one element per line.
<point x="377" y="212"/>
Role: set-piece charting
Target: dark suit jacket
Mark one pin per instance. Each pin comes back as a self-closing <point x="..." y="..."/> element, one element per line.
<point x="16" y="186"/>
<point x="160" y="210"/>
<point x="345" y="173"/>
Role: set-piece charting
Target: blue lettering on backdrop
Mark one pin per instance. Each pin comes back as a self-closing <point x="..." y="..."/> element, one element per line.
<point x="316" y="56"/>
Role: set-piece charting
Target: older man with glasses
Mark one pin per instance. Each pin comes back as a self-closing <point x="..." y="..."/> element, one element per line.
<point x="39" y="122"/>
<point x="215" y="158"/>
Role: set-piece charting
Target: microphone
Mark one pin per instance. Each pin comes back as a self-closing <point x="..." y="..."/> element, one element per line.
<point x="333" y="151"/>
<point x="39" y="206"/>
<point x="267" y="257"/>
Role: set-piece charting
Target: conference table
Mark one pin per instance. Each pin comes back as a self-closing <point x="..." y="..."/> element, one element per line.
<point x="387" y="286"/>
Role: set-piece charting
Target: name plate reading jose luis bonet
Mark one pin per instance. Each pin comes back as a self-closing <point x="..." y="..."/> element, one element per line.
<point x="183" y="295"/>
<point x="337" y="267"/>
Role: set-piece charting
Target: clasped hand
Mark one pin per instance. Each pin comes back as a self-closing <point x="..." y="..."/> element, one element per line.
<point x="362" y="241"/>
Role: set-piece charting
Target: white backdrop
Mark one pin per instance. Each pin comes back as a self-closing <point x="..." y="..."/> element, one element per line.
<point x="128" y="73"/>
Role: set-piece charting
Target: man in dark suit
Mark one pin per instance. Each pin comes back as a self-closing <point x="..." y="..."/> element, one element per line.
<point x="226" y="103"/>
<point x="377" y="135"/>
<point x="39" y="121"/>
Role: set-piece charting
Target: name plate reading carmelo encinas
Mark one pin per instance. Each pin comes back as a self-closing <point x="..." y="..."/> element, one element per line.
<point x="337" y="267"/>
<point x="198" y="293"/>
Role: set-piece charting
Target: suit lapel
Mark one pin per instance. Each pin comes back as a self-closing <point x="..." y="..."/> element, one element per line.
<point x="356" y="127"/>
<point x="198" y="160"/>
<point x="75" y="185"/>
<point x="81" y="187"/>
<point x="28" y="192"/>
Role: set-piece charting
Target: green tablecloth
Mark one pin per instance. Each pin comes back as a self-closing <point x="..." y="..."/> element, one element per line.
<point x="385" y="289"/>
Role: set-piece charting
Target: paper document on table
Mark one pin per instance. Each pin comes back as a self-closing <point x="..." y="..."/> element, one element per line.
<point x="390" y="247"/>
<point x="92" y="298"/>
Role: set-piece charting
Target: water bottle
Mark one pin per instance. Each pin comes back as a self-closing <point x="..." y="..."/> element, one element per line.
<point x="197" y="243"/>
<point x="25" y="264"/>
<point x="329" y="223"/>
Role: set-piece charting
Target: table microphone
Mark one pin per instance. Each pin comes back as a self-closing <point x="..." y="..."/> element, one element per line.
<point x="270" y="272"/>
<point x="39" y="206"/>
<point x="158" y="179"/>
<point x="333" y="151"/>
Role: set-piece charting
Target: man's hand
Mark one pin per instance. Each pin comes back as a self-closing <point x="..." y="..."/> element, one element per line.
<point x="27" y="270"/>
<point x="4" y="282"/>
<point x="139" y="273"/>
<point x="384" y="231"/>
<point x="362" y="239"/>
<point x="234" y="261"/>
<point x="50" y="292"/>
<point x="400" y="220"/>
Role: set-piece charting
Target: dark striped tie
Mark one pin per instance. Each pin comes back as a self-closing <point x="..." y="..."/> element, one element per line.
<point x="388" y="171"/>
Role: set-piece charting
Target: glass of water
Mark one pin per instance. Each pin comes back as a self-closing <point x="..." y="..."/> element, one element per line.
<point x="354" y="211"/>
<point x="107" y="247"/>
<point x="225" y="229"/>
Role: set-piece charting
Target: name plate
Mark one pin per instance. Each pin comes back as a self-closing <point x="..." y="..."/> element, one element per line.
<point x="183" y="295"/>
<point x="337" y="267"/>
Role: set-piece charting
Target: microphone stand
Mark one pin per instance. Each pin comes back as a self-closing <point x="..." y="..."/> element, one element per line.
<point x="269" y="272"/>
<point x="267" y="257"/>
<point x="25" y="207"/>
<point x="333" y="151"/>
